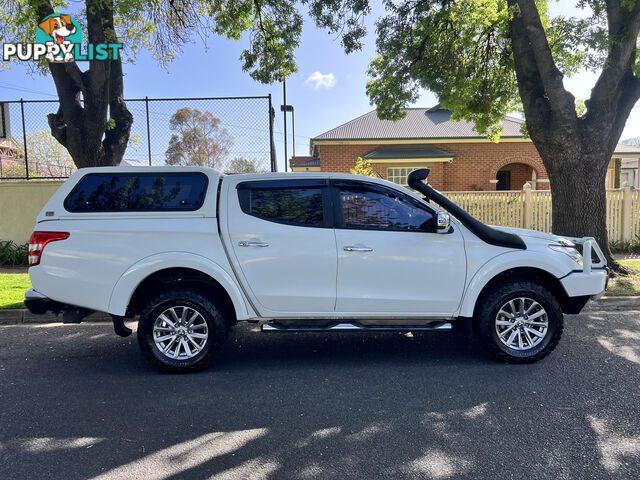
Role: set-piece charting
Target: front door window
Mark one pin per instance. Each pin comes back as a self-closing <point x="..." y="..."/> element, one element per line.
<point x="381" y="209"/>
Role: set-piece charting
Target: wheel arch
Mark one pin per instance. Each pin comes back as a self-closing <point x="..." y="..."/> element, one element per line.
<point x="549" y="280"/>
<point x="170" y="270"/>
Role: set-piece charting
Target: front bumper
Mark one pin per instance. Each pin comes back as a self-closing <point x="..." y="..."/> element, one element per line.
<point x="593" y="279"/>
<point x="579" y="283"/>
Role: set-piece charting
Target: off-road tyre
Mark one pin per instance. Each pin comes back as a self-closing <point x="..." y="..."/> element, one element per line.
<point x="487" y="310"/>
<point x="197" y="300"/>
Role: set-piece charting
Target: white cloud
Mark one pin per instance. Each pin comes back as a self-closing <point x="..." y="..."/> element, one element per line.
<point x="321" y="80"/>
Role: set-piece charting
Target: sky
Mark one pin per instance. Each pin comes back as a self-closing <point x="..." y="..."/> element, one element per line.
<point x="328" y="89"/>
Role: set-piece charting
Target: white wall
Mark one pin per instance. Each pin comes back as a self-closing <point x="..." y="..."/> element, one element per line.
<point x="20" y="203"/>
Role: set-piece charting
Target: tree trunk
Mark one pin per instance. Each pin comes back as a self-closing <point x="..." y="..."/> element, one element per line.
<point x="92" y="121"/>
<point x="579" y="197"/>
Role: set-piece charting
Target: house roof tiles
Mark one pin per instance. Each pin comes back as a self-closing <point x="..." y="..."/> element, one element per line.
<point x="427" y="151"/>
<point x="626" y="149"/>
<point x="311" y="162"/>
<point x="420" y="123"/>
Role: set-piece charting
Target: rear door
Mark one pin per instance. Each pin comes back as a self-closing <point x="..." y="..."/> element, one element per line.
<point x="284" y="246"/>
<point x="390" y="260"/>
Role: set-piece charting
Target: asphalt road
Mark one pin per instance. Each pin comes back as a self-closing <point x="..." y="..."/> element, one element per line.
<point x="78" y="402"/>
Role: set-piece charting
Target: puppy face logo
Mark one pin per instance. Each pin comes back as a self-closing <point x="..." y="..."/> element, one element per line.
<point x="61" y="30"/>
<point x="58" y="28"/>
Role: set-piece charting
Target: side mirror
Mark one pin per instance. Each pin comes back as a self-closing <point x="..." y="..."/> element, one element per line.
<point x="443" y="222"/>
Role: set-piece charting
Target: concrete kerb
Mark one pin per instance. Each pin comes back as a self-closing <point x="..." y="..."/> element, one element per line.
<point x="613" y="304"/>
<point x="20" y="316"/>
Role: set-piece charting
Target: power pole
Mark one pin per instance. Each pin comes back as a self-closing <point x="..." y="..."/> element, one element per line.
<point x="284" y="113"/>
<point x="293" y="130"/>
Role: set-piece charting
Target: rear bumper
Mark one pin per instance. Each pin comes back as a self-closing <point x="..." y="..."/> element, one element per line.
<point x="39" y="304"/>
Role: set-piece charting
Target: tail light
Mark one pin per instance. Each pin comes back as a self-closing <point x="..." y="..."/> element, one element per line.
<point x="39" y="240"/>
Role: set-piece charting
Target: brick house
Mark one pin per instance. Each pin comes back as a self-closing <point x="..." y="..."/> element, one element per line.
<point x="10" y="162"/>
<point x="305" y="164"/>
<point x="459" y="158"/>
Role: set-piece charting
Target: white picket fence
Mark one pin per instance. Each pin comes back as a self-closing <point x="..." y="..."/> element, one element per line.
<point x="528" y="208"/>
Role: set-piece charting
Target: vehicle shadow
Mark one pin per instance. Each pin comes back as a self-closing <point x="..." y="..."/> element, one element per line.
<point x="247" y="345"/>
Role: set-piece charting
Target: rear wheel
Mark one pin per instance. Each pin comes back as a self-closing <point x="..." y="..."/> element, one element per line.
<point x="181" y="330"/>
<point x="519" y="322"/>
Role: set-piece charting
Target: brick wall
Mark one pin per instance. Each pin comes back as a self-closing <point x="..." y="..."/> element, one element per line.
<point x="474" y="163"/>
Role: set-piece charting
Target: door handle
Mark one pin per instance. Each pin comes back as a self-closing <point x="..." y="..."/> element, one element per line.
<point x="358" y="249"/>
<point x="245" y="243"/>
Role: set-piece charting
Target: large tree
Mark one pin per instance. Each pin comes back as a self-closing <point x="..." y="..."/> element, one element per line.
<point x="92" y="121"/>
<point x="242" y="165"/>
<point x="47" y="157"/>
<point x="485" y="58"/>
<point x="198" y="139"/>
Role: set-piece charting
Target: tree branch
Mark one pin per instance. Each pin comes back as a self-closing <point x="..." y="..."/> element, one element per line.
<point x="58" y="127"/>
<point x="259" y="14"/>
<point x="628" y="98"/>
<point x="623" y="35"/>
<point x="613" y="15"/>
<point x="116" y="139"/>
<point x="76" y="75"/>
<point x="41" y="9"/>
<point x="549" y="73"/>
<point x="69" y="96"/>
<point x="97" y="73"/>
<point x="536" y="105"/>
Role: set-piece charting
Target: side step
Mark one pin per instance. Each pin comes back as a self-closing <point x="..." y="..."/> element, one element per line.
<point x="354" y="327"/>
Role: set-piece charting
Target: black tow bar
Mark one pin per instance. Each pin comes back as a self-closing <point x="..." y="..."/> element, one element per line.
<point x="119" y="326"/>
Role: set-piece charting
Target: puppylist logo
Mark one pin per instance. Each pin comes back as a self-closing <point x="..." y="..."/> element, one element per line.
<point x="59" y="39"/>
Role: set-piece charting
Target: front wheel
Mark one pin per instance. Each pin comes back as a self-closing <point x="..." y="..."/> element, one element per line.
<point x="519" y="322"/>
<point x="181" y="330"/>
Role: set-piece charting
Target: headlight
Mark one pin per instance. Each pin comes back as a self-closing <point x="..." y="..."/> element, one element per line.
<point x="565" y="242"/>
<point x="569" y="250"/>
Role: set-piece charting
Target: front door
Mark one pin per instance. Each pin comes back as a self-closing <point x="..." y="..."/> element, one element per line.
<point x="284" y="245"/>
<point x="504" y="180"/>
<point x="390" y="260"/>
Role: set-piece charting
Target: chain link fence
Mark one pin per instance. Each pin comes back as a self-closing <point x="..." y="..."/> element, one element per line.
<point x="231" y="134"/>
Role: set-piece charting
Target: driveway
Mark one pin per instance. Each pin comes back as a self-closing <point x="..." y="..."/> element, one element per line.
<point x="78" y="402"/>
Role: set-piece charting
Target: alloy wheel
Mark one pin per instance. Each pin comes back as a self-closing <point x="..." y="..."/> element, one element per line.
<point x="522" y="323"/>
<point x="180" y="332"/>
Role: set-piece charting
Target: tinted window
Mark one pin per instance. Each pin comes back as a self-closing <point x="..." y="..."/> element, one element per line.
<point x="295" y="205"/>
<point x="381" y="209"/>
<point x="138" y="192"/>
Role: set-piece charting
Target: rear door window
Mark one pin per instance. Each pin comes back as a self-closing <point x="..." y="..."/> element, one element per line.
<point x="285" y="202"/>
<point x="138" y="192"/>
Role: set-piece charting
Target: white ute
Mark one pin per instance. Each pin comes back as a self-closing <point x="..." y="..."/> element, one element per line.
<point x="191" y="252"/>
